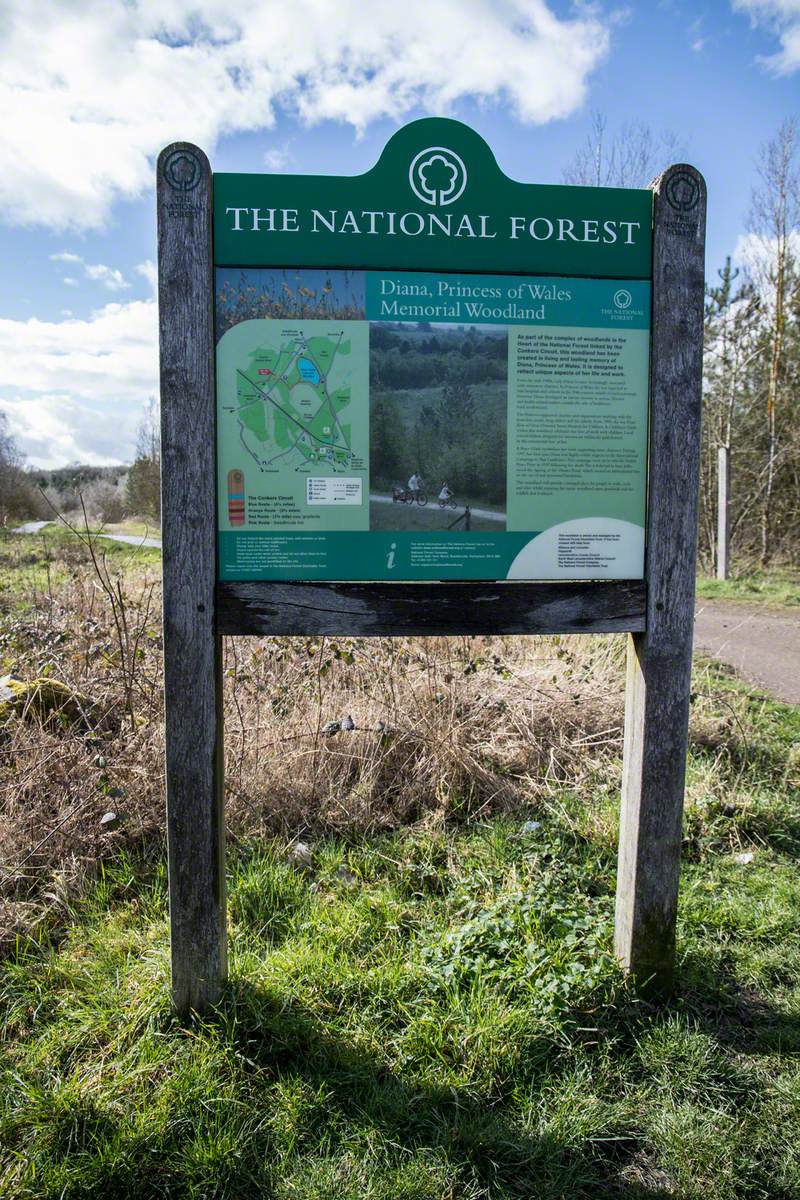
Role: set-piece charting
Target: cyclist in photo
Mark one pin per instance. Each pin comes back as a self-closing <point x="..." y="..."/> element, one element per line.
<point x="445" y="493"/>
<point x="415" y="485"/>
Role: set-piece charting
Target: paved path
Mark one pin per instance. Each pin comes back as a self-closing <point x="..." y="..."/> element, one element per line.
<point x="132" y="539"/>
<point x="31" y="527"/>
<point x="762" y="643"/>
<point x="432" y="504"/>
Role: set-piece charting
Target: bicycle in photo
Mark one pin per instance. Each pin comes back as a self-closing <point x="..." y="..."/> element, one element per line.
<point x="406" y="496"/>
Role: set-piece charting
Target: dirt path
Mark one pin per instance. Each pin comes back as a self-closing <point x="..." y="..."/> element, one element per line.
<point x="762" y="643"/>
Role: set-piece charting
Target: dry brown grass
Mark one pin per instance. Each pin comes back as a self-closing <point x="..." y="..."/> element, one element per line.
<point x="444" y="730"/>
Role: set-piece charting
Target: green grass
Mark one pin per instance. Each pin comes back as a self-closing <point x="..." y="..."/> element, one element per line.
<point x="137" y="528"/>
<point x="433" y="1014"/>
<point x="35" y="565"/>
<point x="778" y="586"/>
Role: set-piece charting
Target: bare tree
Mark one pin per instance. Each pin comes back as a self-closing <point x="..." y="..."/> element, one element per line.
<point x="148" y="439"/>
<point x="18" y="498"/>
<point x="733" y="340"/>
<point x="774" y="223"/>
<point x="631" y="157"/>
<point x="144" y="477"/>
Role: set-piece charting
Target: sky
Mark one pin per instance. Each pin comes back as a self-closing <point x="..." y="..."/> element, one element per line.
<point x="92" y="89"/>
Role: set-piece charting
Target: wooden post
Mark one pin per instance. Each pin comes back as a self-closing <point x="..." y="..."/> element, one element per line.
<point x="192" y="672"/>
<point x="660" y="659"/>
<point x="723" y="533"/>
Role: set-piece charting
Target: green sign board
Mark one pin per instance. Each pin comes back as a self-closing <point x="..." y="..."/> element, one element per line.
<point x="430" y="371"/>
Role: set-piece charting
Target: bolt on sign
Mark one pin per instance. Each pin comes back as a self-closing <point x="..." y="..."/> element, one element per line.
<point x="428" y="399"/>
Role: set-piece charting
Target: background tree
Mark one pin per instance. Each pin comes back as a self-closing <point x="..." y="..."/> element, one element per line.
<point x="19" y="497"/>
<point x="733" y="340"/>
<point x="631" y="157"/>
<point x="143" y="497"/>
<point x="774" y="223"/>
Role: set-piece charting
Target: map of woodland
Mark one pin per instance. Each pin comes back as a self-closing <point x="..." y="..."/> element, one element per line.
<point x="293" y="399"/>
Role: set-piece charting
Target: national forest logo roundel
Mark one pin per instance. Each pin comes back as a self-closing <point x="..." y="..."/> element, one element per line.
<point x="182" y="170"/>
<point x="437" y="175"/>
<point x="623" y="298"/>
<point x="683" y="192"/>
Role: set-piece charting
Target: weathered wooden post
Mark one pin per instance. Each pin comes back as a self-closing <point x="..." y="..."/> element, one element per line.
<point x="660" y="659"/>
<point x="192" y="674"/>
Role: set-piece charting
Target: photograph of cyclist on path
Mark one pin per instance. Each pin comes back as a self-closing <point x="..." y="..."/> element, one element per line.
<point x="415" y="486"/>
<point x="446" y="497"/>
<point x="438" y="413"/>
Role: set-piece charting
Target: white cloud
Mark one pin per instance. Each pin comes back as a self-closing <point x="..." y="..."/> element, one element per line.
<point x="74" y="389"/>
<point x="48" y="428"/>
<point x="782" y="16"/>
<point x="758" y="254"/>
<point x="93" y="90"/>
<point x="277" y="158"/>
<point x="149" y="271"/>
<point x="110" y="277"/>
<point x="70" y="282"/>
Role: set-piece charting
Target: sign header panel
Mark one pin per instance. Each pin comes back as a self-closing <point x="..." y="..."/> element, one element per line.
<point x="435" y="200"/>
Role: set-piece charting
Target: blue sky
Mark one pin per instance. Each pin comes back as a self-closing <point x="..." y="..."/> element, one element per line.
<point x="315" y="87"/>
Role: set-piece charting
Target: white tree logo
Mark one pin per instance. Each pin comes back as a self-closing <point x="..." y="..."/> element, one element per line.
<point x="623" y="298"/>
<point x="437" y="175"/>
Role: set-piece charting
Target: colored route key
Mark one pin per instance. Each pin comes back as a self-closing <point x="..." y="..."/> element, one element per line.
<point x="236" y="497"/>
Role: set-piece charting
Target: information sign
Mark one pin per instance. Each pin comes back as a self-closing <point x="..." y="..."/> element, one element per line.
<point x="428" y="399"/>
<point x="517" y="404"/>
<point x="390" y="424"/>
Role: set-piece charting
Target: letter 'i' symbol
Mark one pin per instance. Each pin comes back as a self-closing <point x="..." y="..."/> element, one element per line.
<point x="236" y="497"/>
<point x="390" y="556"/>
